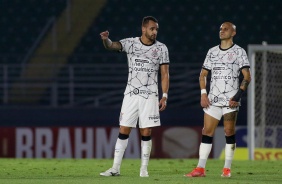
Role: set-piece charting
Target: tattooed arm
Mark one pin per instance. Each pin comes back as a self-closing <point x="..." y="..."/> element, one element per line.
<point x="247" y="79"/>
<point x="108" y="44"/>
<point x="234" y="102"/>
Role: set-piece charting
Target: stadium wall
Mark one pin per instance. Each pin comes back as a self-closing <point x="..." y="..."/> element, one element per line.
<point x="91" y="133"/>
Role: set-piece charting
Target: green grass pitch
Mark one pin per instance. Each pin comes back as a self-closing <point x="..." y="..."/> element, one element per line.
<point x="161" y="171"/>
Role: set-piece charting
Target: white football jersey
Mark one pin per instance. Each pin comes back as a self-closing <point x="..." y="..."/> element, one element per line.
<point x="225" y="66"/>
<point x="143" y="63"/>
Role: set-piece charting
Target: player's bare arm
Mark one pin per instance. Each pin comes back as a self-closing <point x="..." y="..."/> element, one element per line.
<point x="202" y="80"/>
<point x="165" y="85"/>
<point x="247" y="79"/>
<point x="108" y="44"/>
<point x="234" y="102"/>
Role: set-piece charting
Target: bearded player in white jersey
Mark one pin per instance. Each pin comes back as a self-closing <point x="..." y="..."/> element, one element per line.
<point x="141" y="97"/>
<point x="225" y="62"/>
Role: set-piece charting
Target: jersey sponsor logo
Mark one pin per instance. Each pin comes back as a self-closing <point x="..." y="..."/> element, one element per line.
<point x="219" y="68"/>
<point x="143" y="69"/>
<point x="142" y="61"/>
<point x="146" y="92"/>
<point x="136" y="91"/>
<point x="222" y="77"/>
<point x="217" y="73"/>
<point x="219" y="99"/>
<point x="141" y="92"/>
<point x="143" y="65"/>
<point x="155" y="118"/>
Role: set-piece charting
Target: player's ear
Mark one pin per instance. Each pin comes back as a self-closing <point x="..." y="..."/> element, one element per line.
<point x="234" y="33"/>
<point x="143" y="29"/>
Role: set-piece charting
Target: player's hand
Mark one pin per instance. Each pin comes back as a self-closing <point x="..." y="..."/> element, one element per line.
<point x="162" y="104"/>
<point x="104" y="35"/>
<point x="233" y="104"/>
<point x="205" y="102"/>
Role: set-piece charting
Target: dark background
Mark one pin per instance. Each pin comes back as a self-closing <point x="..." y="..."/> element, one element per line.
<point x="188" y="28"/>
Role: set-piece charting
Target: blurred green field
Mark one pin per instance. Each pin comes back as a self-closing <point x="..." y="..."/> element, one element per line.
<point x="161" y="171"/>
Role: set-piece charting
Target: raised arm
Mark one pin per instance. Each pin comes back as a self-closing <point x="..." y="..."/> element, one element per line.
<point x="108" y="44"/>
<point x="165" y="85"/>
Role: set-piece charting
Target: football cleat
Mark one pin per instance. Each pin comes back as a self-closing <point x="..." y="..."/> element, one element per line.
<point x="226" y="173"/>
<point x="197" y="172"/>
<point x="110" y="172"/>
<point x="144" y="173"/>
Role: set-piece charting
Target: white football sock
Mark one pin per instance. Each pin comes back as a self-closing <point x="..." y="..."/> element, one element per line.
<point x="204" y="152"/>
<point x="229" y="154"/>
<point x="146" y="147"/>
<point x="119" y="152"/>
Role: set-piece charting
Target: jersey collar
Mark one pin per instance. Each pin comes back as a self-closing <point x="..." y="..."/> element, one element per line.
<point x="147" y="44"/>
<point x="227" y="48"/>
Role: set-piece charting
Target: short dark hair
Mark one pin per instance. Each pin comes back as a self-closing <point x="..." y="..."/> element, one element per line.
<point x="147" y="19"/>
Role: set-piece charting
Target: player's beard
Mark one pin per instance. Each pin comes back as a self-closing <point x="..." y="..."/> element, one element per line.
<point x="152" y="37"/>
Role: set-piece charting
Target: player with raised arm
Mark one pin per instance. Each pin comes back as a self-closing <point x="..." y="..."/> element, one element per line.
<point x="225" y="62"/>
<point x="141" y="102"/>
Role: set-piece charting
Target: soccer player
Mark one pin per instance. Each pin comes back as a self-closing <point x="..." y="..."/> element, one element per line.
<point x="141" y="102"/>
<point x="225" y="62"/>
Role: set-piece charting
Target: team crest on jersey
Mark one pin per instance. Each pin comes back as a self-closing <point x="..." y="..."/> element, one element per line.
<point x="154" y="52"/>
<point x="230" y="56"/>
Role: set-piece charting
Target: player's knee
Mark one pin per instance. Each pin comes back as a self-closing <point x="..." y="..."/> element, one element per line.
<point x="229" y="132"/>
<point x="145" y="131"/>
<point x="208" y="132"/>
<point x="230" y="139"/>
<point x="124" y="130"/>
<point x="207" y="139"/>
<point x="123" y="136"/>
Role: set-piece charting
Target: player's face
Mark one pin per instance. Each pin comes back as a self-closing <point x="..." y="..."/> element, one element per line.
<point x="150" y="30"/>
<point x="226" y="31"/>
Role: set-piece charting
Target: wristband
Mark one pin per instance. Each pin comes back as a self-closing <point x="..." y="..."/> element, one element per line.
<point x="165" y="95"/>
<point x="238" y="95"/>
<point x="203" y="91"/>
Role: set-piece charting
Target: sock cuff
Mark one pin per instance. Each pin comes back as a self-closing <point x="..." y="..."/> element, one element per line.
<point x="230" y="139"/>
<point x="122" y="136"/>
<point x="207" y="139"/>
<point x="145" y="138"/>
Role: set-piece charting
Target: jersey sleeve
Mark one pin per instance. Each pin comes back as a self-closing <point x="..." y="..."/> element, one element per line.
<point x="165" y="55"/>
<point x="243" y="59"/>
<point x="207" y="63"/>
<point x="126" y="44"/>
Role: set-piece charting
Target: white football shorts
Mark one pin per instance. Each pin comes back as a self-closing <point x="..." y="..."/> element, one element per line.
<point x="217" y="112"/>
<point x="138" y="109"/>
